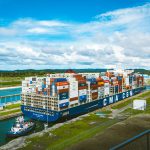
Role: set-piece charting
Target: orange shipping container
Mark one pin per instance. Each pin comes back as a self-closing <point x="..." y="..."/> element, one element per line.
<point x="100" y="83"/>
<point x="62" y="83"/>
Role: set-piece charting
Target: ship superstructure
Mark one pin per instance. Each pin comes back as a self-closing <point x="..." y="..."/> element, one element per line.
<point x="57" y="95"/>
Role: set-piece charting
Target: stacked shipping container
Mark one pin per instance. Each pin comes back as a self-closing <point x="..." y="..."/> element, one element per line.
<point x="70" y="89"/>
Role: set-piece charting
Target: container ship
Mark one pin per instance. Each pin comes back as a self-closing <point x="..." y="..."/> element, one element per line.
<point x="58" y="96"/>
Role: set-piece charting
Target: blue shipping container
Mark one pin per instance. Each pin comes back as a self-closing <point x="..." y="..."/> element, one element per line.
<point x="64" y="95"/>
<point x="60" y="79"/>
<point x="82" y="98"/>
<point x="119" y="78"/>
<point x="130" y="79"/>
<point x="92" y="79"/>
<point x="116" y="89"/>
<point x="45" y="93"/>
<point x="64" y="104"/>
<point x="82" y="84"/>
<point x="43" y="86"/>
<point x="93" y="83"/>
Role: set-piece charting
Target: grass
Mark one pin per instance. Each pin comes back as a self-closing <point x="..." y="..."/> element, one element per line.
<point x="4" y="79"/>
<point x="135" y="112"/>
<point x="10" y="83"/>
<point x="70" y="134"/>
<point x="107" y="112"/>
<point x="117" y="134"/>
<point x="125" y="103"/>
<point x="10" y="112"/>
<point x="9" y="108"/>
<point x="12" y="106"/>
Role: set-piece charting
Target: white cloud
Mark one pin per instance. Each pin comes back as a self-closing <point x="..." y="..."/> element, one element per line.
<point x="120" y="37"/>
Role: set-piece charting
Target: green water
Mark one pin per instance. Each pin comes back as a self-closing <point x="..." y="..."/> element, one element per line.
<point x="5" y="125"/>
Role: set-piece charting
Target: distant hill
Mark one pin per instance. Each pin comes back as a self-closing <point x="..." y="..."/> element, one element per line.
<point x="30" y="72"/>
<point x="142" y="71"/>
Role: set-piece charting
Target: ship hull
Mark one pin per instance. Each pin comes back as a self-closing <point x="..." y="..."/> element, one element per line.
<point x="35" y="113"/>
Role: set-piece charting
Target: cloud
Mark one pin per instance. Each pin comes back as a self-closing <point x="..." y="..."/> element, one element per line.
<point x="120" y="37"/>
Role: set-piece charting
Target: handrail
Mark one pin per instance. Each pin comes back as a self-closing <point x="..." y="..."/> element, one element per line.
<point x="9" y="95"/>
<point x="147" y="132"/>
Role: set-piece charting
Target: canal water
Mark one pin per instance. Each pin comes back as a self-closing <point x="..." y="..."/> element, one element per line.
<point x="5" y="126"/>
<point x="10" y="95"/>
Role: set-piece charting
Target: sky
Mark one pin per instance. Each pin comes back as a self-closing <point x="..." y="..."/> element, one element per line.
<point x="61" y="34"/>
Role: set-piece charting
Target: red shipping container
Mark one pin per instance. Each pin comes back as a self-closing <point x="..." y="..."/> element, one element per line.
<point x="82" y="87"/>
<point x="82" y="81"/>
<point x="94" y="95"/>
<point x="73" y="99"/>
<point x="77" y="76"/>
<point x="63" y="90"/>
<point x="94" y="87"/>
<point x="106" y="81"/>
<point x="120" y="82"/>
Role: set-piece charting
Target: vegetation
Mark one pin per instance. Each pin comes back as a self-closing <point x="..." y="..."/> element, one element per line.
<point x="130" y="100"/>
<point x="12" y="106"/>
<point x="117" y="134"/>
<point x="69" y="134"/>
<point x="10" y="83"/>
<point x="142" y="71"/>
<point x="122" y="104"/>
<point x="14" y="78"/>
<point x="78" y="131"/>
<point x="10" y="110"/>
<point x="3" y="113"/>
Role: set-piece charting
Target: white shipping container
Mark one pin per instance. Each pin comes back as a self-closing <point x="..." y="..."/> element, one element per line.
<point x="106" y="91"/>
<point x="127" y="81"/>
<point x="73" y="94"/>
<point x="39" y="88"/>
<point x="100" y="88"/>
<point x="101" y="93"/>
<point x="83" y="92"/>
<point x="63" y="101"/>
<point x="94" y="91"/>
<point x="106" y="85"/>
<point x="63" y="87"/>
<point x="73" y="85"/>
<point x="105" y="77"/>
<point x="47" y="83"/>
